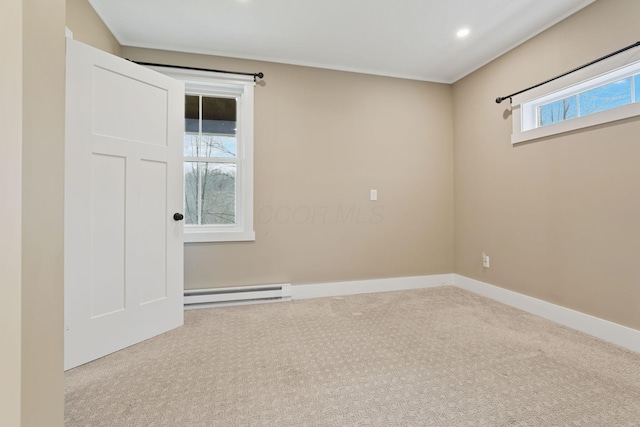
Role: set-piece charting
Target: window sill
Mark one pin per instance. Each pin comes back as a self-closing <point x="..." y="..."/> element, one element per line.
<point x="219" y="236"/>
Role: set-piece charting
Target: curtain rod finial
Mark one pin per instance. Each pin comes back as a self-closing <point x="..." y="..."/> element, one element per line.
<point x="499" y="100"/>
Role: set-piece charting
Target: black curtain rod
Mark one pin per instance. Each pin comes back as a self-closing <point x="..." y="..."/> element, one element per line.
<point x="151" y="64"/>
<point x="631" y="46"/>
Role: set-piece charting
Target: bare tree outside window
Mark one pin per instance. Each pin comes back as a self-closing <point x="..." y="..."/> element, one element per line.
<point x="558" y="111"/>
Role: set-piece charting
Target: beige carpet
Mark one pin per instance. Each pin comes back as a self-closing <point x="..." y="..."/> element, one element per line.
<point x="433" y="357"/>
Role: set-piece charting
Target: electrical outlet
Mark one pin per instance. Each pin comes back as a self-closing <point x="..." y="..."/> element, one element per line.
<point x="374" y="194"/>
<point x="485" y="260"/>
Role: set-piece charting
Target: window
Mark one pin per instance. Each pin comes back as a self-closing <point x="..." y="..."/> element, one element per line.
<point x="210" y="160"/>
<point x="609" y="96"/>
<point x="218" y="156"/>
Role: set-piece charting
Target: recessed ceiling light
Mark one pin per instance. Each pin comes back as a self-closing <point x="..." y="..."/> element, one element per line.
<point x="463" y="32"/>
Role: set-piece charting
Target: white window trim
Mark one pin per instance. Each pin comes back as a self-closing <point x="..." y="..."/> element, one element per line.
<point x="241" y="87"/>
<point x="524" y="106"/>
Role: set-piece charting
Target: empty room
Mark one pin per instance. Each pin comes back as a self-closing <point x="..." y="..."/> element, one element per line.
<point x="288" y="213"/>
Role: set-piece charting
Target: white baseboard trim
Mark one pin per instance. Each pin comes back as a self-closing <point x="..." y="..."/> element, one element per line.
<point x="608" y="331"/>
<point x="320" y="290"/>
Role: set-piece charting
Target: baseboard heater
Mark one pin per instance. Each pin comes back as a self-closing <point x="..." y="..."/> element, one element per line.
<point x="218" y="297"/>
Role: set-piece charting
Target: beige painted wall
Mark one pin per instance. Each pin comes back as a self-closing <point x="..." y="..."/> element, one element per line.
<point x="88" y="27"/>
<point x="323" y="139"/>
<point x="42" y="212"/>
<point x="11" y="212"/>
<point x="31" y="192"/>
<point x="559" y="217"/>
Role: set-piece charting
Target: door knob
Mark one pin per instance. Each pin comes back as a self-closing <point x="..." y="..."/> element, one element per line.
<point x="178" y="216"/>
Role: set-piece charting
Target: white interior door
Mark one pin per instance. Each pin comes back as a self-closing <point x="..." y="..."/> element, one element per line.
<point x="123" y="184"/>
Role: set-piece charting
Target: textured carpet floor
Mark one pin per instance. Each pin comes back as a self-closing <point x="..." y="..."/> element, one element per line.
<point x="432" y="357"/>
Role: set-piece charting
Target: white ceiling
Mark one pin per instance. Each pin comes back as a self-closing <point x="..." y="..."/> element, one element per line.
<point x="413" y="39"/>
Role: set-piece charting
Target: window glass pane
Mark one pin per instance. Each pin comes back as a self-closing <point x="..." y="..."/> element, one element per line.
<point x="209" y="193"/>
<point x="217" y="121"/>
<point x="191" y="144"/>
<point x="218" y="193"/>
<point x="191" y="178"/>
<point x="217" y="146"/>
<point x="218" y="127"/>
<point x="558" y="111"/>
<point x="209" y="146"/>
<point x="191" y="113"/>
<point x="606" y="97"/>
<point x="191" y="125"/>
<point x="636" y="83"/>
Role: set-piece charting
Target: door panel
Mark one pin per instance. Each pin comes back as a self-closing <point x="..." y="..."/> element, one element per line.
<point x="128" y="108"/>
<point x="108" y="256"/>
<point x="152" y="206"/>
<point x="123" y="183"/>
